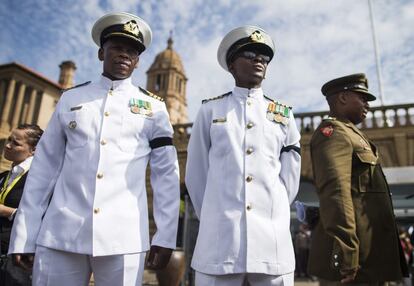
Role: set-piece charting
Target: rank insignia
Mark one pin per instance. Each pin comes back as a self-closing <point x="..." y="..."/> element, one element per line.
<point x="279" y="113"/>
<point x="327" y="131"/>
<point x="138" y="106"/>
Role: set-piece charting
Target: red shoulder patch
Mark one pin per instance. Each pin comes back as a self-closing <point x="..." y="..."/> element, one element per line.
<point x="327" y="130"/>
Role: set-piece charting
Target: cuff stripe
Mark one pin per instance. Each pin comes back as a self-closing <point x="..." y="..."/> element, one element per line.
<point x="160" y="142"/>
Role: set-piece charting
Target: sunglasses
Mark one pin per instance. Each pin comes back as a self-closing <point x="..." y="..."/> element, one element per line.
<point x="250" y="55"/>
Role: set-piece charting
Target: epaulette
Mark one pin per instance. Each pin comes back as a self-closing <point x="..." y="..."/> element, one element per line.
<point x="217" y="97"/>
<point x="76" y="86"/>
<point x="329" y="118"/>
<point x="150" y="94"/>
<point x="276" y="102"/>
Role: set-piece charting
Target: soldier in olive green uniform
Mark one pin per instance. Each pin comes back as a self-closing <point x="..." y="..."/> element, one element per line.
<point x="355" y="240"/>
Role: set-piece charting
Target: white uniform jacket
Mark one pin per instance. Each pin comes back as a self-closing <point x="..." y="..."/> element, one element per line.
<point x="90" y="163"/>
<point x="242" y="174"/>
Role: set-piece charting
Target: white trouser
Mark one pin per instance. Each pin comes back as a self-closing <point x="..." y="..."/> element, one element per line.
<point x="54" y="267"/>
<point x="254" y="279"/>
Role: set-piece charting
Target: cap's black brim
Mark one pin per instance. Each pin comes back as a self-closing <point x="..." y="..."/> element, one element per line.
<point x="133" y="39"/>
<point x="368" y="95"/>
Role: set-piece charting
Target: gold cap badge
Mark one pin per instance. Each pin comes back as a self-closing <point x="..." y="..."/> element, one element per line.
<point x="256" y="36"/>
<point x="131" y="27"/>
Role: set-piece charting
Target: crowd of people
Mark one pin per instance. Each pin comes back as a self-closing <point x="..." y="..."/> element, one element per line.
<point x="84" y="206"/>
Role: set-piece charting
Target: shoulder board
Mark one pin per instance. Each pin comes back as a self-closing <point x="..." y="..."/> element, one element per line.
<point x="150" y="94"/>
<point x="76" y="86"/>
<point x="217" y="97"/>
<point x="329" y="119"/>
<point x="276" y="102"/>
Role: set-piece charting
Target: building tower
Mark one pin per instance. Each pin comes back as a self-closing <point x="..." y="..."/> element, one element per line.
<point x="67" y="72"/>
<point x="166" y="78"/>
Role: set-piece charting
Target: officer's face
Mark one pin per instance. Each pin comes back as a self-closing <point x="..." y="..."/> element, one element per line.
<point x="356" y="106"/>
<point x="120" y="57"/>
<point x="249" y="68"/>
<point x="17" y="148"/>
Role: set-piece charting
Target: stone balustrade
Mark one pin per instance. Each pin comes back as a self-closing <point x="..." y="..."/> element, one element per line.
<point x="378" y="117"/>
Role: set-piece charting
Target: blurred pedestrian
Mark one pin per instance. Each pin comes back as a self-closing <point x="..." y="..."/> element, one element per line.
<point x="19" y="149"/>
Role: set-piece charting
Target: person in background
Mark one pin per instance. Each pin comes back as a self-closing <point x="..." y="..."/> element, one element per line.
<point x="355" y="239"/>
<point x="242" y="174"/>
<point x="302" y="242"/>
<point x="19" y="149"/>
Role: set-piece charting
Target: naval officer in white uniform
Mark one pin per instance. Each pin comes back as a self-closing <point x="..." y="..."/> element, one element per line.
<point x="84" y="208"/>
<point x="242" y="173"/>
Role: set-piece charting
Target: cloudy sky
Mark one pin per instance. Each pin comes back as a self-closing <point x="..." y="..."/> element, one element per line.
<point x="316" y="40"/>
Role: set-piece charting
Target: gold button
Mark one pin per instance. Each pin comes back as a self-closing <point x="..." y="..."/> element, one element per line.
<point x="107" y="113"/>
<point x="99" y="176"/>
<point x="248" y="102"/>
<point x="103" y="142"/>
<point x="96" y="210"/>
<point x="249" y="179"/>
<point x="250" y="125"/>
<point x="249" y="151"/>
<point x="110" y="92"/>
<point x="249" y="207"/>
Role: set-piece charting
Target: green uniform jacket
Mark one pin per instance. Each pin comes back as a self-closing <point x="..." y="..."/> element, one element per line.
<point x="356" y="225"/>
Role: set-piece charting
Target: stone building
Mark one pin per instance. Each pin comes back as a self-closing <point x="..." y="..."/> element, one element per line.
<point x="28" y="97"/>
<point x="166" y="78"/>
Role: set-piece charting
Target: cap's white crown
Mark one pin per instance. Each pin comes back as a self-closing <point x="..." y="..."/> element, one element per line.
<point x="237" y="34"/>
<point x="121" y="18"/>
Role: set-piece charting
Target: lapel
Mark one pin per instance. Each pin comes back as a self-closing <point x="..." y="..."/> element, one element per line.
<point x="357" y="131"/>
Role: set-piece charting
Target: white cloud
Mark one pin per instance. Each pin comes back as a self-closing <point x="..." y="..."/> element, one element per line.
<point x="315" y="40"/>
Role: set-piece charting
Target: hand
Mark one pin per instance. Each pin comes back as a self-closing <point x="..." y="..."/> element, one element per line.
<point x="23" y="260"/>
<point x="158" y="257"/>
<point x="349" y="275"/>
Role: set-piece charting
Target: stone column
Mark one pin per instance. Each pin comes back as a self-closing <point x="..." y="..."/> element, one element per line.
<point x="32" y="103"/>
<point x="7" y="104"/>
<point x="18" y="107"/>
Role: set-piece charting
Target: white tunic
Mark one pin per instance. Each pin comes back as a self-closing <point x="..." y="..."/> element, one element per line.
<point x="91" y="163"/>
<point x="241" y="185"/>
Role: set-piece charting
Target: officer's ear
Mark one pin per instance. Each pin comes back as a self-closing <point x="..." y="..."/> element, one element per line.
<point x="101" y="54"/>
<point x="136" y="64"/>
<point x="342" y="98"/>
<point x="230" y="67"/>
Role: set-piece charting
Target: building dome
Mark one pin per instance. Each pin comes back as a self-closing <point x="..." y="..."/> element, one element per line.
<point x="166" y="78"/>
<point x="167" y="59"/>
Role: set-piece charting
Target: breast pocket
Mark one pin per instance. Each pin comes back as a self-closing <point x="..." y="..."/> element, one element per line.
<point x="274" y="136"/>
<point x="135" y="131"/>
<point x="220" y="138"/>
<point x="366" y="167"/>
<point x="77" y="126"/>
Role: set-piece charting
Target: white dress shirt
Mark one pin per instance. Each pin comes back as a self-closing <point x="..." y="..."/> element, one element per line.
<point x="90" y="164"/>
<point x="20" y="169"/>
<point x="241" y="182"/>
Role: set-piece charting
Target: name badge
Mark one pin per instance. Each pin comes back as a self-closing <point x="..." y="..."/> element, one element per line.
<point x="220" y="120"/>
